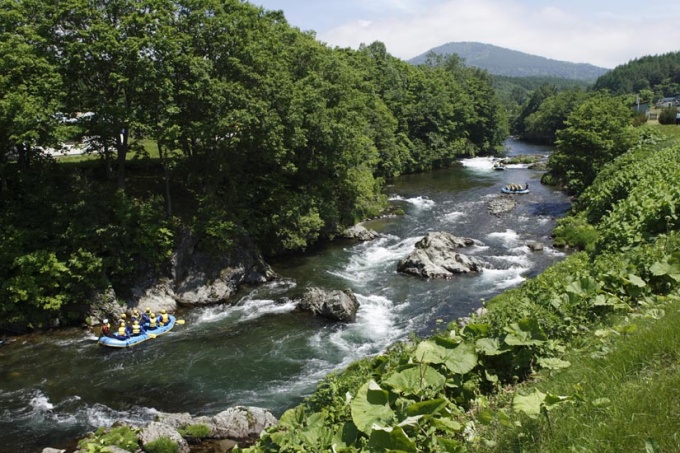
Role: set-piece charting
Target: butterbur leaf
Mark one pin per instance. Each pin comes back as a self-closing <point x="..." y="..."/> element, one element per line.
<point x="490" y="346"/>
<point x="461" y="359"/>
<point x="428" y="407"/>
<point x="636" y="281"/>
<point x="371" y="406"/>
<point x="552" y="400"/>
<point x="447" y="425"/>
<point x="529" y="404"/>
<point x="383" y="439"/>
<point x="346" y="435"/>
<point x="553" y="363"/>
<point x="414" y="380"/>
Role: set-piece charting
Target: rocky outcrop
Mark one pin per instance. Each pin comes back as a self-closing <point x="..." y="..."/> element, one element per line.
<point x="205" y="277"/>
<point x="155" y="430"/>
<point x="236" y="423"/>
<point x="335" y="305"/>
<point x="360" y="233"/>
<point x="196" y="276"/>
<point x="436" y="256"/>
<point x="501" y="204"/>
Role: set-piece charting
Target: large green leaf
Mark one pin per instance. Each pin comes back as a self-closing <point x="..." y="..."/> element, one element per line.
<point x="428" y="407"/>
<point x="394" y="439"/>
<point x="414" y="380"/>
<point x="529" y="404"/>
<point x="525" y="332"/>
<point x="490" y="346"/>
<point x="666" y="268"/>
<point x="461" y="359"/>
<point x="371" y="406"/>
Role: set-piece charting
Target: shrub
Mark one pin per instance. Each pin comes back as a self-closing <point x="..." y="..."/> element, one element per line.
<point x="575" y="231"/>
<point x="668" y="115"/>
<point x="122" y="437"/>
<point x="161" y="445"/>
<point x="196" y="431"/>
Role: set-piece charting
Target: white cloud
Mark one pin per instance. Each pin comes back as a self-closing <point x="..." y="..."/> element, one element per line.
<point x="603" y="38"/>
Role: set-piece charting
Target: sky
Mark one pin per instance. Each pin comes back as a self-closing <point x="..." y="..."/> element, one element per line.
<point x="605" y="33"/>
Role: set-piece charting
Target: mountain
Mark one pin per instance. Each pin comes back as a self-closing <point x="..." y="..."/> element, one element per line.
<point x="501" y="61"/>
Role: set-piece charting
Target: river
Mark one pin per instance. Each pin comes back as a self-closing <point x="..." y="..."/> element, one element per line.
<point x="58" y="386"/>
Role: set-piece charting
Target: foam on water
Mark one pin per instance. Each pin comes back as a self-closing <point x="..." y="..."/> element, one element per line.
<point x="419" y="202"/>
<point x="504" y="278"/>
<point x="508" y="237"/>
<point x="454" y="216"/>
<point x="99" y="415"/>
<point x="369" y="258"/>
<point x="479" y="163"/>
<point x="245" y="310"/>
<point x="40" y="403"/>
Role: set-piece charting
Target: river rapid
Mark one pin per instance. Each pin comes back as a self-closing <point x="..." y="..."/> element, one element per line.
<point x="256" y="351"/>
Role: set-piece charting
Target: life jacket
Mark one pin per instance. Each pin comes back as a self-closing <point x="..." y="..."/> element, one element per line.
<point x="135" y="328"/>
<point x="165" y="319"/>
<point x="121" y="331"/>
<point x="152" y="321"/>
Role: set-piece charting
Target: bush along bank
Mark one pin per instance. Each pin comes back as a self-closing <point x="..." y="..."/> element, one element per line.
<point x="439" y="394"/>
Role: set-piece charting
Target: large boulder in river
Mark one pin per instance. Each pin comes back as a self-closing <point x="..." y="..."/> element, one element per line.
<point x="360" y="233"/>
<point x="335" y="305"/>
<point x="436" y="256"/>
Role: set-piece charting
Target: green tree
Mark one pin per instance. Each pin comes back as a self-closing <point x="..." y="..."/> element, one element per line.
<point x="596" y="132"/>
<point x="106" y="53"/>
<point x="30" y="85"/>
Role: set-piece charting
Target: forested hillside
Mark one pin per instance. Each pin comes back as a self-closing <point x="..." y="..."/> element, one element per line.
<point x="658" y="74"/>
<point x="213" y="117"/>
<point x="506" y="62"/>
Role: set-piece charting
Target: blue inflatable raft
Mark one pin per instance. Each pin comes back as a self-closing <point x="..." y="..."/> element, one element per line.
<point x="114" y="342"/>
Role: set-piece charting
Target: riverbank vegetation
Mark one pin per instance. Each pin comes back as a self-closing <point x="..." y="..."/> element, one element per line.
<point x="213" y="117"/>
<point x="551" y="365"/>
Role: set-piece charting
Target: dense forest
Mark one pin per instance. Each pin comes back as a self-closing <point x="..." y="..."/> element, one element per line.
<point x="214" y="117"/>
<point x="653" y="76"/>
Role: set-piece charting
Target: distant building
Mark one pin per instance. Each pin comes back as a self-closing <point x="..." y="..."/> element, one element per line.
<point x="668" y="102"/>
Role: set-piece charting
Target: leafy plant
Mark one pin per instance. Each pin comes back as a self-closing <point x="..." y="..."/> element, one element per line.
<point x="122" y="437"/>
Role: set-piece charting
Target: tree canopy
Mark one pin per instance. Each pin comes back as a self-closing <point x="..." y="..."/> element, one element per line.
<point x="258" y="127"/>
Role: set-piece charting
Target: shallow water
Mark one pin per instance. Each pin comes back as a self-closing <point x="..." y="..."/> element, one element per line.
<point x="257" y="350"/>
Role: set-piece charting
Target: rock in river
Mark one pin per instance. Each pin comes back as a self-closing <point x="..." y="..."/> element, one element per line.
<point x="335" y="305"/>
<point x="435" y="256"/>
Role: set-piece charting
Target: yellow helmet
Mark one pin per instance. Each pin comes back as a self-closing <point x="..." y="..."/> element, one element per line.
<point x="122" y="316"/>
<point x="122" y="323"/>
<point x="152" y="315"/>
<point x="148" y="310"/>
<point x="135" y="311"/>
<point x="163" y="311"/>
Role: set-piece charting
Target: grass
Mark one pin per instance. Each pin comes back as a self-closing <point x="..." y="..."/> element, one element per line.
<point x="626" y="395"/>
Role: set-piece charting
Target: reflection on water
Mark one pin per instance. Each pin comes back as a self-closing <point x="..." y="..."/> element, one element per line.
<point x="258" y="350"/>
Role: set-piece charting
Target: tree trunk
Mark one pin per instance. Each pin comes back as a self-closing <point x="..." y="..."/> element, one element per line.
<point x="166" y="177"/>
<point x="122" y="147"/>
